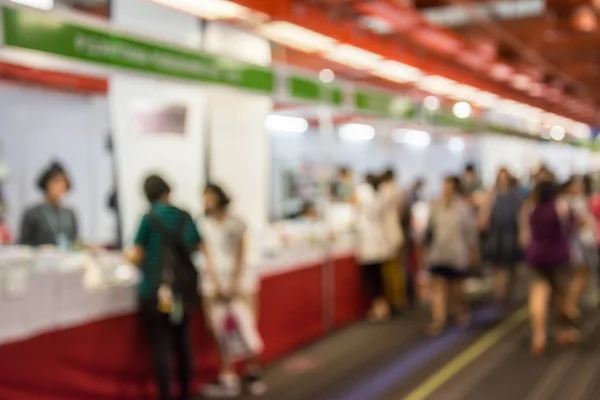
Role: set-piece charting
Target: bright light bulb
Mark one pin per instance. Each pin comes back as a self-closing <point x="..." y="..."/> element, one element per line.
<point x="282" y="123"/>
<point x="431" y="103"/>
<point x="326" y="76"/>
<point x="356" y="132"/>
<point x="557" y="132"/>
<point x="462" y="110"/>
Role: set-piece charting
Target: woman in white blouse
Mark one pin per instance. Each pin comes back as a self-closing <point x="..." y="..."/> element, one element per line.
<point x="373" y="249"/>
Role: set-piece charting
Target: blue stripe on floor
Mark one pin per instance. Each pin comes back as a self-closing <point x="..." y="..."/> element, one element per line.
<point x="397" y="372"/>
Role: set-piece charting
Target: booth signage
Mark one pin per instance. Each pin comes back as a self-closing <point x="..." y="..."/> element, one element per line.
<point x="381" y="103"/>
<point x="310" y="89"/>
<point x="36" y="31"/>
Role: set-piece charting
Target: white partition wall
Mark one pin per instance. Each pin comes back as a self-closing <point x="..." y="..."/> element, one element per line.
<point x="175" y="154"/>
<point x="40" y="126"/>
<point x="239" y="153"/>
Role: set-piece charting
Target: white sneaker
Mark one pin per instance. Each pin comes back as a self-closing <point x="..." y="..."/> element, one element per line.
<point x="223" y="388"/>
<point x="255" y="385"/>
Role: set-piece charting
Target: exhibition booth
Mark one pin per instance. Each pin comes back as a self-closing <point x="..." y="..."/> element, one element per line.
<point x="192" y="101"/>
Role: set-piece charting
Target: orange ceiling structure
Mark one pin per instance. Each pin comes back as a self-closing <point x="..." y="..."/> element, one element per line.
<point x="471" y="54"/>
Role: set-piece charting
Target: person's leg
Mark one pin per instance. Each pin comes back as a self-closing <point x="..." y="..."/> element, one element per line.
<point x="439" y="304"/>
<point x="227" y="383"/>
<point x="460" y="302"/>
<point x="501" y="279"/>
<point x="156" y="327"/>
<point x="183" y="353"/>
<point x="373" y="276"/>
<point x="539" y="296"/>
<point x="576" y="288"/>
<point x="566" y="331"/>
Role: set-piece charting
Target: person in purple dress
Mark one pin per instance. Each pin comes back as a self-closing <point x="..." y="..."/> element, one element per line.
<point x="546" y="225"/>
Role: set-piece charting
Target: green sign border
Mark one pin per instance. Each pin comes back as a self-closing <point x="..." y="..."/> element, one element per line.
<point x="39" y="32"/>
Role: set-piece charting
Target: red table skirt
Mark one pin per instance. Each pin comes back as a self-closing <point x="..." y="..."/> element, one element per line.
<point x="108" y="359"/>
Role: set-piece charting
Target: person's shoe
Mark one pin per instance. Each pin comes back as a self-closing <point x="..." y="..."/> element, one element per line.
<point x="255" y="385"/>
<point x="227" y="387"/>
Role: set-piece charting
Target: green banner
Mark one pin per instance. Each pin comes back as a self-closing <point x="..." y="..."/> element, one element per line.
<point x="311" y="89"/>
<point x="381" y="103"/>
<point x="36" y="31"/>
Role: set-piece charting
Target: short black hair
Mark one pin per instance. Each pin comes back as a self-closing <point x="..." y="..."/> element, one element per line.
<point x="456" y="182"/>
<point x="223" y="199"/>
<point x="343" y="170"/>
<point x="470" y="167"/>
<point x="155" y="188"/>
<point x="588" y="184"/>
<point x="54" y="170"/>
<point x="373" y="180"/>
<point x="388" y="175"/>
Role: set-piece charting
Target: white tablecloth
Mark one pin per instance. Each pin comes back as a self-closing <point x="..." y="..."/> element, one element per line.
<point x="53" y="296"/>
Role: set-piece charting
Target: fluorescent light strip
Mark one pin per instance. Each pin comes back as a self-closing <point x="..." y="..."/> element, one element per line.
<point x="356" y="133"/>
<point x="209" y="9"/>
<point x="282" y="123"/>
<point x="45" y="5"/>
<point x="296" y="37"/>
<point x="354" y="57"/>
<point x="438" y="85"/>
<point x="398" y="72"/>
<point x="412" y="137"/>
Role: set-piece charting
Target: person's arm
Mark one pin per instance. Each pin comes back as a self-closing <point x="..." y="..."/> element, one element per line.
<point x="135" y="254"/>
<point x="75" y="223"/>
<point x="240" y="260"/>
<point x="28" y="228"/>
<point x="211" y="273"/>
<point x="485" y="211"/>
<point x="524" y="227"/>
<point x="471" y="234"/>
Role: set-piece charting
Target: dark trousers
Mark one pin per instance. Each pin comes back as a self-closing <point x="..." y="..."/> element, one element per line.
<point x="166" y="339"/>
<point x="373" y="275"/>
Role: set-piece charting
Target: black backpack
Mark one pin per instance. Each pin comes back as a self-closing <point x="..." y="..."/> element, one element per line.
<point x="177" y="268"/>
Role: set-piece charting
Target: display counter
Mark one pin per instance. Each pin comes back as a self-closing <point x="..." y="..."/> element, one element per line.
<point x="70" y="330"/>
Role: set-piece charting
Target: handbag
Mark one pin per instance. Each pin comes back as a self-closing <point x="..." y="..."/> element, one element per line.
<point x="236" y="331"/>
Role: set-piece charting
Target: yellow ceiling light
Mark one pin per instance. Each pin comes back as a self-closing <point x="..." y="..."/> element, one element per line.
<point x="353" y="57"/>
<point x="397" y="72"/>
<point x="212" y="9"/>
<point x="296" y="37"/>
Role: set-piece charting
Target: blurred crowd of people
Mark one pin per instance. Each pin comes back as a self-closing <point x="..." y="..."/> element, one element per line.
<point x="550" y="228"/>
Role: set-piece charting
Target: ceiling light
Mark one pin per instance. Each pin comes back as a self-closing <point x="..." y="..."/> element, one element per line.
<point x="326" y="76"/>
<point x="464" y="92"/>
<point x="398" y="72"/>
<point x="296" y="37"/>
<point x="462" y="110"/>
<point x="431" y="103"/>
<point x="412" y="137"/>
<point x="456" y="145"/>
<point x="45" y="5"/>
<point x="208" y="9"/>
<point x="376" y="25"/>
<point x="557" y="132"/>
<point x="353" y="57"/>
<point x="522" y="82"/>
<point x="581" y="131"/>
<point x="356" y="132"/>
<point x="438" y="85"/>
<point x="485" y="99"/>
<point x="282" y="123"/>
